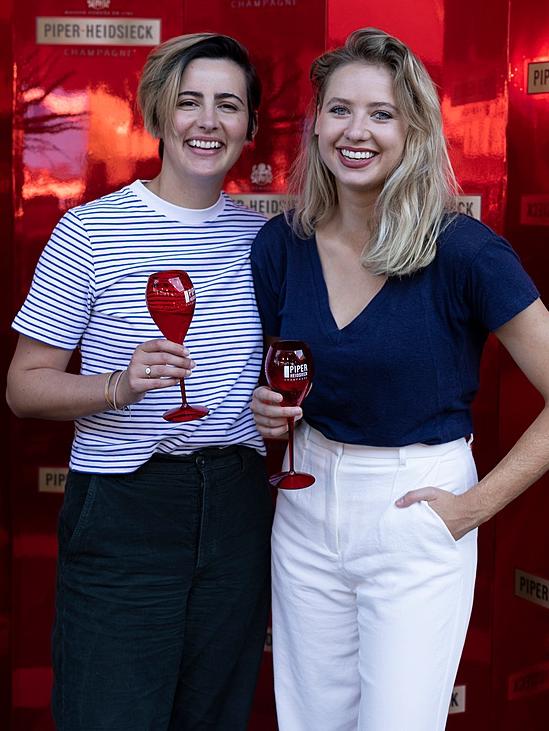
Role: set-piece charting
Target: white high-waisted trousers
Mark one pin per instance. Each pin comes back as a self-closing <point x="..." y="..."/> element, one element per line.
<point x="370" y="602"/>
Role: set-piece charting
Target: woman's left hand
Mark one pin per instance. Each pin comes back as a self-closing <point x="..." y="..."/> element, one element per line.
<point x="453" y="509"/>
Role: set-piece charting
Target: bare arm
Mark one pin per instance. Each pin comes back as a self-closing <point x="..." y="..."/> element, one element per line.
<point x="39" y="386"/>
<point x="526" y="337"/>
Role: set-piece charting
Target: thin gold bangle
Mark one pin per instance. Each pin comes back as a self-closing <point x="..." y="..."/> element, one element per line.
<point x="108" y="380"/>
<point x="119" y="375"/>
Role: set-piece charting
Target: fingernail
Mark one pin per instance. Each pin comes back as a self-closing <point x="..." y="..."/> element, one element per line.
<point x="399" y="502"/>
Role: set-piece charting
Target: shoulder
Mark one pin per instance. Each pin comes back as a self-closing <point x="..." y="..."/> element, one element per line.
<point x="120" y="202"/>
<point x="464" y="238"/>
<point x="276" y="233"/>
<point x="271" y="246"/>
<point x="115" y="199"/>
<point x="242" y="213"/>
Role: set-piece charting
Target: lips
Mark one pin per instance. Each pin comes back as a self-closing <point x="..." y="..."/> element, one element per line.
<point x="354" y="157"/>
<point x="201" y="144"/>
<point x="351" y="154"/>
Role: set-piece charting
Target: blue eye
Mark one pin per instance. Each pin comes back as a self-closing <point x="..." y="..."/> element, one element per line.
<point x="382" y="116"/>
<point x="338" y="110"/>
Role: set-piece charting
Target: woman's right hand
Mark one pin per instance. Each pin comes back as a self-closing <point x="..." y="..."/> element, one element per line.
<point x="39" y="386"/>
<point x="270" y="417"/>
<point x="154" y="364"/>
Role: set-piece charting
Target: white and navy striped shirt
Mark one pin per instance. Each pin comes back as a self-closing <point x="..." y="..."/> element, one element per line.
<point x="88" y="291"/>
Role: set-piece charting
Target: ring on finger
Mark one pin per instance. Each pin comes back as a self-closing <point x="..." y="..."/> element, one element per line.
<point x="148" y="371"/>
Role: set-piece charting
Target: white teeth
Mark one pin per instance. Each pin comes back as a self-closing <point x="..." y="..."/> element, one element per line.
<point x="205" y="144"/>
<point x="353" y="155"/>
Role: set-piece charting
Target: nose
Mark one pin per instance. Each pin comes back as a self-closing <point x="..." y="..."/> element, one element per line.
<point x="207" y="119"/>
<point x="358" y="128"/>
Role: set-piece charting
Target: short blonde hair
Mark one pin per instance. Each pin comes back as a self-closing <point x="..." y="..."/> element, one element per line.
<point x="419" y="195"/>
<point x="158" y="88"/>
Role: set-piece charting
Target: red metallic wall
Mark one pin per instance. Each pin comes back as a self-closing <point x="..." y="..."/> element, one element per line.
<point x="6" y="277"/>
<point x="521" y="626"/>
<point x="76" y="135"/>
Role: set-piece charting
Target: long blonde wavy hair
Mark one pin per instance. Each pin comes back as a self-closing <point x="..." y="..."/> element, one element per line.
<point x="418" y="198"/>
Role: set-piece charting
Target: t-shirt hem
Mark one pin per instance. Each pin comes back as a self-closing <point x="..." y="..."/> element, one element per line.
<point x="117" y="469"/>
<point x="520" y="307"/>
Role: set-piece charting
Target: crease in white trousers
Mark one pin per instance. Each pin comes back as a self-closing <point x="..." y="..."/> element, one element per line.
<point x="370" y="602"/>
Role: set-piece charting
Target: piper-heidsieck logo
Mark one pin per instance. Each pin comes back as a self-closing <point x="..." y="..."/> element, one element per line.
<point x="295" y="372"/>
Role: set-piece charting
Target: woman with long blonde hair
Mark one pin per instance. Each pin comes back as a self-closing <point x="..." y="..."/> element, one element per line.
<point x="374" y="564"/>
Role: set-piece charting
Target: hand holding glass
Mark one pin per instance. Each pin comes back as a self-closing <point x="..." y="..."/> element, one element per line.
<point x="289" y="370"/>
<point x="171" y="300"/>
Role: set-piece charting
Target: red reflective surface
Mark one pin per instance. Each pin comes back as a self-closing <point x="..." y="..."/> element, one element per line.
<point x="77" y="135"/>
<point x="521" y="631"/>
<point x="6" y="276"/>
<point x="283" y="38"/>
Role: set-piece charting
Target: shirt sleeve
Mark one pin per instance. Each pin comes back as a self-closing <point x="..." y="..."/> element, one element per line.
<point x="269" y="262"/>
<point x="498" y="286"/>
<point x="57" y="308"/>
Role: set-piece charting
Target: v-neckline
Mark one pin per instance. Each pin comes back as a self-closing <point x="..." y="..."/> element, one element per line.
<point x="322" y="297"/>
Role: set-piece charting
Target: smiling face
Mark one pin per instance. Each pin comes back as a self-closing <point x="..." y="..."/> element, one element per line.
<point x="361" y="132"/>
<point x="210" y="124"/>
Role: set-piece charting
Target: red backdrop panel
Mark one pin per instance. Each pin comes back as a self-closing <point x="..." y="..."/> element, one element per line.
<point x="283" y="38"/>
<point x="77" y="135"/>
<point x="6" y="274"/>
<point x="521" y="623"/>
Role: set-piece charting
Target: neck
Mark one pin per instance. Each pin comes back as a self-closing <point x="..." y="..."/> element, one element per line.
<point x="180" y="194"/>
<point x="352" y="220"/>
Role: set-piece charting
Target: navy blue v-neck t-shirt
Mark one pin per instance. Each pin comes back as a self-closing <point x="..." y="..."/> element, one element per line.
<point x="406" y="369"/>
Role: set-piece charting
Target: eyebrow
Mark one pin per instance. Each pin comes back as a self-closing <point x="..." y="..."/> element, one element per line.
<point x="340" y="100"/>
<point x="221" y="96"/>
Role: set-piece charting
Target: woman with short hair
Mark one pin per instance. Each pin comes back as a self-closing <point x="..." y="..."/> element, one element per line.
<point x="162" y="595"/>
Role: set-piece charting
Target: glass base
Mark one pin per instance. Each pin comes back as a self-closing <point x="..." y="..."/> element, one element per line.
<point x="291" y="480"/>
<point x="186" y="413"/>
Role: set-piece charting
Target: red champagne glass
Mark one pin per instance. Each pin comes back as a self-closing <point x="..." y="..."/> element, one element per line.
<point x="289" y="370"/>
<point x="171" y="300"/>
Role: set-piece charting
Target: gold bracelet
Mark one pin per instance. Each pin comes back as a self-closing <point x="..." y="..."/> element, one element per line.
<point x="119" y="375"/>
<point x="108" y="380"/>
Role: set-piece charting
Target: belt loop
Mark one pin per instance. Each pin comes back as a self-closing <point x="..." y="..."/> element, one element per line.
<point x="402" y="456"/>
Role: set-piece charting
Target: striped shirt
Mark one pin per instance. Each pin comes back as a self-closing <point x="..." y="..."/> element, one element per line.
<point x="88" y="291"/>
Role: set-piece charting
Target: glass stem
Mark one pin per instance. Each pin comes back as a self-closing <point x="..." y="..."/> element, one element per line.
<point x="183" y="394"/>
<point x="291" y="443"/>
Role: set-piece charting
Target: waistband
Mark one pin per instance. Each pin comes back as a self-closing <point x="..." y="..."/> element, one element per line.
<point x="410" y="451"/>
<point x="205" y="452"/>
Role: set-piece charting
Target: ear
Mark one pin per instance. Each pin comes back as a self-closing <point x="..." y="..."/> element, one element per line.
<point x="254" y="127"/>
<point x="317" y="112"/>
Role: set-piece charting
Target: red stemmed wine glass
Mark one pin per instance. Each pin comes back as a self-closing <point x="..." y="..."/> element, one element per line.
<point x="289" y="370"/>
<point x="171" y="300"/>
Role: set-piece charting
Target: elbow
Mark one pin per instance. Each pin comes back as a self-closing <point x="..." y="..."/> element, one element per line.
<point x="16" y="407"/>
<point x="15" y="398"/>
